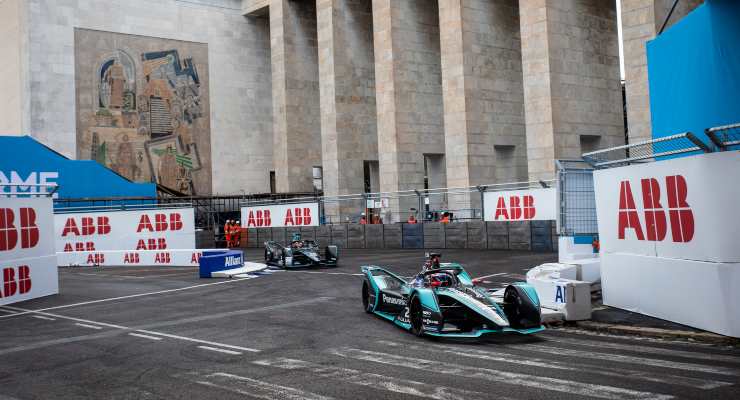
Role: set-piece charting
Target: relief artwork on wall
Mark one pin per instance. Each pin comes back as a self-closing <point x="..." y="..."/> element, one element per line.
<point x="143" y="108"/>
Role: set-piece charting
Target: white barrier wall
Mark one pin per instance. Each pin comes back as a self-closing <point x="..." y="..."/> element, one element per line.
<point x="282" y="215"/>
<point x="29" y="262"/>
<point x="520" y="205"/>
<point x="146" y="237"/>
<point x="669" y="239"/>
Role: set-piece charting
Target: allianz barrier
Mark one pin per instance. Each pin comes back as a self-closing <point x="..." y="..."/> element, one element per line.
<point x="529" y="235"/>
<point x="220" y="260"/>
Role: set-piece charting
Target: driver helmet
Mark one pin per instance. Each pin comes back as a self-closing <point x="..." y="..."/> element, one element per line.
<point x="440" y="280"/>
<point x="296" y="237"/>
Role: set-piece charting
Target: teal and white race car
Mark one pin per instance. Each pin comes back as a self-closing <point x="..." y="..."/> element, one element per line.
<point x="443" y="301"/>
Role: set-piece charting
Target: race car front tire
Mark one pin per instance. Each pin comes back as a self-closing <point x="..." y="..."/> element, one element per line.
<point x="366" y="298"/>
<point x="416" y="317"/>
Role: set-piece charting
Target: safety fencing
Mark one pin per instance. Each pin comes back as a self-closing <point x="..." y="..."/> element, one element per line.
<point x="513" y="235"/>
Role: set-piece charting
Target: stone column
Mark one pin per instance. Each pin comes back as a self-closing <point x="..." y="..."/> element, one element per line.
<point x="483" y="94"/>
<point x="348" y="116"/>
<point x="12" y="23"/>
<point x="641" y="21"/>
<point x="295" y="94"/>
<point x="572" y="88"/>
<point x="408" y="94"/>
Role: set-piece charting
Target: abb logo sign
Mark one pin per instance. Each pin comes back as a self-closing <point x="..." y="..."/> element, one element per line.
<point x="276" y="216"/>
<point x="16" y="281"/>
<point x="161" y="223"/>
<point x="11" y="229"/>
<point x="679" y="212"/>
<point x="519" y="207"/>
<point x="87" y="226"/>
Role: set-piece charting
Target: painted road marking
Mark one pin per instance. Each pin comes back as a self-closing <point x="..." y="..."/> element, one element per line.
<point x="255" y="388"/>
<point x="145" y="336"/>
<point x="44" y="317"/>
<point x="5" y="310"/>
<point x="667" y="379"/>
<point x="89" y="326"/>
<point x="84" y="303"/>
<point x="492" y="275"/>
<point x="505" y="377"/>
<point x="647" y="349"/>
<point x="376" y="381"/>
<point x="325" y="273"/>
<point x="216" y="349"/>
<point x="561" y="351"/>
<point x="143" y="329"/>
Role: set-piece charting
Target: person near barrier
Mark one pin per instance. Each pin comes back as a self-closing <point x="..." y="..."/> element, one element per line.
<point x="363" y="219"/>
<point x="445" y="218"/>
<point x="236" y="234"/>
<point x="227" y="233"/>
<point x="411" y="220"/>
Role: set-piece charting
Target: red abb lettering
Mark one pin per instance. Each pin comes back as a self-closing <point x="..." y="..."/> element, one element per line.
<point x="259" y="218"/>
<point x="11" y="285"/>
<point x="195" y="258"/>
<point x="288" y="218"/>
<point x="152" y="244"/>
<point x="501" y="210"/>
<point x="96" y="258"/>
<point x="162" y="258"/>
<point x="175" y="222"/>
<point x="161" y="223"/>
<point x="298" y="216"/>
<point x="679" y="212"/>
<point x="306" y="216"/>
<point x="131" y="258"/>
<point x="515" y="209"/>
<point x="529" y="209"/>
<point x="88" y="226"/>
<point x="145" y="223"/>
<point x="29" y="231"/>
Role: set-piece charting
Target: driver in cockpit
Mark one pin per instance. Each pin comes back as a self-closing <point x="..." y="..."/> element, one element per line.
<point x="296" y="243"/>
<point x="432" y="262"/>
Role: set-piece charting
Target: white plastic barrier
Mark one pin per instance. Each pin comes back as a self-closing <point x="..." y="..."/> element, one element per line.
<point x="669" y="239"/>
<point x="29" y="263"/>
<point x="569" y="250"/>
<point x="558" y="289"/>
<point x="173" y="258"/>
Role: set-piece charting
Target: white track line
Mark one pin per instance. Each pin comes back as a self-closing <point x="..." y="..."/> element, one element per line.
<point x="126" y="328"/>
<point x="561" y="351"/>
<point x="376" y="381"/>
<point x="5" y="310"/>
<point x="255" y="388"/>
<point x="505" y="377"/>
<point x="647" y="349"/>
<point x="325" y="273"/>
<point x="89" y="326"/>
<point x="667" y="379"/>
<point x="489" y="276"/>
<point x="206" y="342"/>
<point x="144" y="336"/>
<point x="44" y="318"/>
<point x="216" y="349"/>
<point x="84" y="303"/>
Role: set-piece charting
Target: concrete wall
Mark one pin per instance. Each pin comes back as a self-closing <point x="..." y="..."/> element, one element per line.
<point x="12" y="26"/>
<point x="348" y="116"/>
<point x="295" y="88"/>
<point x="238" y="53"/>
<point x="572" y="87"/>
<point x="409" y="93"/>
<point x="534" y="235"/>
<point x="483" y="94"/>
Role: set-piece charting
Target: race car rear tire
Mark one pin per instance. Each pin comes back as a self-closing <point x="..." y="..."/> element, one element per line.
<point x="366" y="298"/>
<point x="416" y="317"/>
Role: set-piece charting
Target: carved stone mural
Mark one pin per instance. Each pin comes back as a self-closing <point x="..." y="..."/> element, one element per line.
<point x="143" y="108"/>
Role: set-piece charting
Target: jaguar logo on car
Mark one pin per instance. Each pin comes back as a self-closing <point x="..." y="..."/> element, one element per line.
<point x="393" y="300"/>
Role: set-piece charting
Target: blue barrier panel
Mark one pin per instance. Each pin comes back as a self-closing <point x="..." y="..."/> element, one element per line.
<point x="220" y="260"/>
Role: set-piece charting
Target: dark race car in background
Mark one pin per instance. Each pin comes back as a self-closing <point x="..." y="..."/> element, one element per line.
<point x="445" y="302"/>
<point x="302" y="253"/>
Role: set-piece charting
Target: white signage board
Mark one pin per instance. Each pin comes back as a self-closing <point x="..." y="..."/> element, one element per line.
<point x="669" y="232"/>
<point x="280" y="215"/>
<point x="29" y="262"/>
<point x="520" y="205"/>
<point x="681" y="208"/>
<point x="162" y="229"/>
<point x="172" y="258"/>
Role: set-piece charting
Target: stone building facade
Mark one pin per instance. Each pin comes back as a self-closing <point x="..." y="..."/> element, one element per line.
<point x="360" y="95"/>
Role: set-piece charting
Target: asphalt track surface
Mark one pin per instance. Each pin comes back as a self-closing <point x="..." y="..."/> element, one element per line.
<point x="162" y="333"/>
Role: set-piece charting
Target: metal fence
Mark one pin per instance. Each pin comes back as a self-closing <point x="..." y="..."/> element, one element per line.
<point x="576" y="198"/>
<point x="725" y="137"/>
<point x="30" y="190"/>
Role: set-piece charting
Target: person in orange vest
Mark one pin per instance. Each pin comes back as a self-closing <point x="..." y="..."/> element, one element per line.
<point x="411" y="220"/>
<point x="596" y="245"/>
<point x="237" y="234"/>
<point x="227" y="233"/>
<point x="445" y="218"/>
<point x="363" y="219"/>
